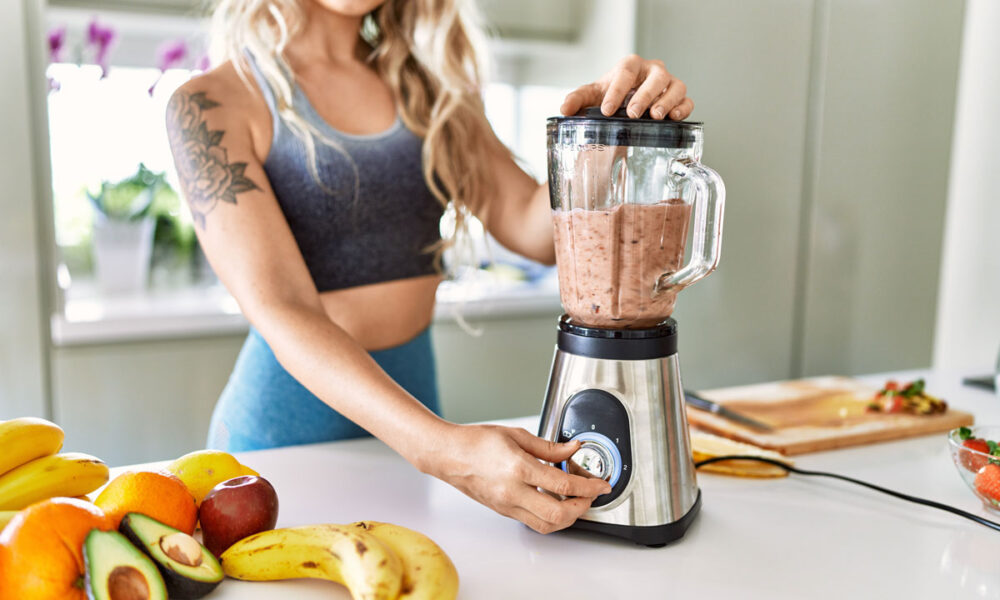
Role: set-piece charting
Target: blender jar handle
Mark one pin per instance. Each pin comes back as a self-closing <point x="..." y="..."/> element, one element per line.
<point x="706" y="247"/>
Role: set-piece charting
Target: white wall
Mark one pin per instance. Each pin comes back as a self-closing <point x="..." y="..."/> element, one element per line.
<point x="968" y="326"/>
<point x="22" y="332"/>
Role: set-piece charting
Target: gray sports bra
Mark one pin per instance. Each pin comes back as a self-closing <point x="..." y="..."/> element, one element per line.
<point x="375" y="219"/>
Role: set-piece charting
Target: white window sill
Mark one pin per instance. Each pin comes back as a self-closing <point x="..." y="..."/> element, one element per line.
<point x="89" y="318"/>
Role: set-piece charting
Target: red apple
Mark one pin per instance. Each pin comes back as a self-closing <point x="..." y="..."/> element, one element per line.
<point x="237" y="508"/>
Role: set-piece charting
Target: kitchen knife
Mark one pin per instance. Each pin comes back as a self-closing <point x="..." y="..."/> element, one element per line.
<point x="715" y="408"/>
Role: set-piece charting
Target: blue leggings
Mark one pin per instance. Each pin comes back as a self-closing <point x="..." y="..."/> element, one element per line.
<point x="263" y="406"/>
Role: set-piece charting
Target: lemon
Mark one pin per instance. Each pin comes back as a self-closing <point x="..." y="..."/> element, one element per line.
<point x="202" y="470"/>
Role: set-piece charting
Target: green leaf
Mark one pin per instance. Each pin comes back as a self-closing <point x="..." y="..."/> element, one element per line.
<point x="916" y="388"/>
<point x="964" y="433"/>
<point x="992" y="446"/>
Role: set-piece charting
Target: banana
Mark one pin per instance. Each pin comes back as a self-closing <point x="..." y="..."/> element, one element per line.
<point x="428" y="573"/>
<point x="339" y="553"/>
<point x="67" y="474"/>
<point x="25" y="439"/>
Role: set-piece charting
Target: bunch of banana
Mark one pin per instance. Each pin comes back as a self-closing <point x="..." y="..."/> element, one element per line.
<point x="30" y="469"/>
<point x="375" y="561"/>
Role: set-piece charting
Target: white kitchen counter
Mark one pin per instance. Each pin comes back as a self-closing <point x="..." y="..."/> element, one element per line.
<point x="797" y="537"/>
<point x="91" y="318"/>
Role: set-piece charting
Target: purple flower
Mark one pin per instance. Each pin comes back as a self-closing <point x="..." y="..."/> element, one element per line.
<point x="57" y="38"/>
<point x="169" y="55"/>
<point x="101" y="37"/>
<point x="203" y="64"/>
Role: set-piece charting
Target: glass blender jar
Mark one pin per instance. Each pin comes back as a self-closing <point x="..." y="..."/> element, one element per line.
<point x="623" y="193"/>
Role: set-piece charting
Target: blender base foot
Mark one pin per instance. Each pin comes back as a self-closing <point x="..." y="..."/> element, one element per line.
<point x="653" y="536"/>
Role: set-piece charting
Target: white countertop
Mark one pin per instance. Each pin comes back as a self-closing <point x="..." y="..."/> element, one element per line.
<point x="796" y="537"/>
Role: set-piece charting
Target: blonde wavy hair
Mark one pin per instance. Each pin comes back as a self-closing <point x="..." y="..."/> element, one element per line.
<point x="428" y="52"/>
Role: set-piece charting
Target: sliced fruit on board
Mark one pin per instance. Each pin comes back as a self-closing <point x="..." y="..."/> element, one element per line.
<point x="117" y="570"/>
<point x="188" y="568"/>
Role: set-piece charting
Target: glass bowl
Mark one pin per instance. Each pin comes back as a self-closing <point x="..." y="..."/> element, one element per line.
<point x="971" y="465"/>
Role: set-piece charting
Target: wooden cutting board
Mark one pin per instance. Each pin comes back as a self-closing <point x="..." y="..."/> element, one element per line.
<point x="815" y="414"/>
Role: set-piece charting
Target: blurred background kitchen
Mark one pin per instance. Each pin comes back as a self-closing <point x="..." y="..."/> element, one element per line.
<point x="858" y="140"/>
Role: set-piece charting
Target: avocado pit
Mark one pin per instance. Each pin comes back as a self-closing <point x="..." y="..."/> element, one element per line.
<point x="127" y="583"/>
<point x="182" y="548"/>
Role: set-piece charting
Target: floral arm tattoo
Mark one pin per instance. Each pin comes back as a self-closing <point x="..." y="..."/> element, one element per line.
<point x="203" y="165"/>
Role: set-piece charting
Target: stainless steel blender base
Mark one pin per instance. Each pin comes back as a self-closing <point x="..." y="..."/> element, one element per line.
<point x="654" y="536"/>
<point x="629" y="415"/>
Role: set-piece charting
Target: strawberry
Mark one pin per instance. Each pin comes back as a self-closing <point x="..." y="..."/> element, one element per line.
<point x="971" y="461"/>
<point x="988" y="482"/>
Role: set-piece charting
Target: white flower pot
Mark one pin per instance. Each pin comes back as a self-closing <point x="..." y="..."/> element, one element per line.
<point x="121" y="253"/>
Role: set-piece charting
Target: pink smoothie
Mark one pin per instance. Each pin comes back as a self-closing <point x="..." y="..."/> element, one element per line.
<point x="609" y="262"/>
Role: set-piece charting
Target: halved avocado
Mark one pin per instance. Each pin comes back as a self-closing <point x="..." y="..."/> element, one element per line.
<point x="116" y="570"/>
<point x="188" y="568"/>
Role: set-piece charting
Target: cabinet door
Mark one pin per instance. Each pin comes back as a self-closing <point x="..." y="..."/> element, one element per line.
<point x="138" y="402"/>
<point x="889" y="74"/>
<point x="746" y="65"/>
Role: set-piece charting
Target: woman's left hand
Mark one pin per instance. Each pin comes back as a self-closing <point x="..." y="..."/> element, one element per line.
<point x="655" y="89"/>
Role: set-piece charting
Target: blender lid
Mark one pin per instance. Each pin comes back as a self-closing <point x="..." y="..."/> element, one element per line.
<point x="590" y="126"/>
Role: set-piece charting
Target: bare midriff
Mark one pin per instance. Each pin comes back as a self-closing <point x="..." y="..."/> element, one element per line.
<point x="610" y="260"/>
<point x="383" y="315"/>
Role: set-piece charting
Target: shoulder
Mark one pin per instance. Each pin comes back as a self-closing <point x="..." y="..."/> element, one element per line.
<point x="222" y="100"/>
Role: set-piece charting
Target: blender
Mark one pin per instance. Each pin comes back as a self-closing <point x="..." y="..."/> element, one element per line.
<point x="627" y="194"/>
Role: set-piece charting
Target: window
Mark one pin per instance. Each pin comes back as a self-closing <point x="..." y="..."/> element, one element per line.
<point x="103" y="128"/>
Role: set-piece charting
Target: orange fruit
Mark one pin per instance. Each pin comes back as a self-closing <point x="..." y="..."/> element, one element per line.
<point x="161" y="496"/>
<point x="41" y="550"/>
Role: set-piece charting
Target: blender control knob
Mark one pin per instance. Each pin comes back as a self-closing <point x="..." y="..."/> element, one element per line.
<point x="591" y="460"/>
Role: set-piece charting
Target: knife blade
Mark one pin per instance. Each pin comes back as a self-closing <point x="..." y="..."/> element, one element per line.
<point x="696" y="401"/>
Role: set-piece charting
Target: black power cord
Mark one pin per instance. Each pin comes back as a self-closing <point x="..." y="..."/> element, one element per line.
<point x="955" y="511"/>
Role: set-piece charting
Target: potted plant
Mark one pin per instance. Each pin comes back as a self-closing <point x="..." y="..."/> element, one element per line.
<point x="123" y="231"/>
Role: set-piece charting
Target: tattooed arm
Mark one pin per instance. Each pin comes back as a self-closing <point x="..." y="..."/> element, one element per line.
<point x="248" y="242"/>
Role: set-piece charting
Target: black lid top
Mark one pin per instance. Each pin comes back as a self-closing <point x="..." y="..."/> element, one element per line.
<point x="590" y="126"/>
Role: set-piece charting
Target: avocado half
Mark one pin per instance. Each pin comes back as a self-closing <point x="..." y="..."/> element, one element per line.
<point x="184" y="581"/>
<point x="117" y="570"/>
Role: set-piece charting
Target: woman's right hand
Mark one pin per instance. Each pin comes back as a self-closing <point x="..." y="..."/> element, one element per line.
<point x="500" y="467"/>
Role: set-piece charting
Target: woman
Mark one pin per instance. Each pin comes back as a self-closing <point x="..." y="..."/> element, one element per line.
<point x="317" y="198"/>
